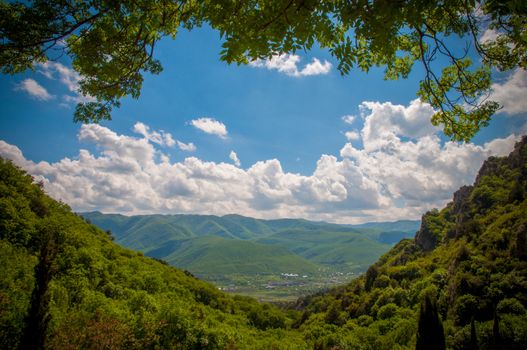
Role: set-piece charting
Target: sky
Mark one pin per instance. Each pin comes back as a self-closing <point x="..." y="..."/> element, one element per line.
<point x="287" y="137"/>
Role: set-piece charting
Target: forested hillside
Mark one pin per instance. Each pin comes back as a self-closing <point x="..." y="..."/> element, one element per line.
<point x="467" y="265"/>
<point x="66" y="285"/>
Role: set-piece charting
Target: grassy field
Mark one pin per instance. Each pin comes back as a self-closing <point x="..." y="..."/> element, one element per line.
<point x="283" y="287"/>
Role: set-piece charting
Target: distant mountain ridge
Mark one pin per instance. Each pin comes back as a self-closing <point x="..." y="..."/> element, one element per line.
<point x="399" y="225"/>
<point x="237" y="225"/>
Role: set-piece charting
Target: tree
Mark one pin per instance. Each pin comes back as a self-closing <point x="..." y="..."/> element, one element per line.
<point x="371" y="275"/>
<point x="38" y="317"/>
<point x="111" y="44"/>
<point x="430" y="335"/>
<point x="496" y="336"/>
<point x="473" y="336"/>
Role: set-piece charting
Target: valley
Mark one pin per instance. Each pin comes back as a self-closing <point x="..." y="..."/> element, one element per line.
<point x="270" y="260"/>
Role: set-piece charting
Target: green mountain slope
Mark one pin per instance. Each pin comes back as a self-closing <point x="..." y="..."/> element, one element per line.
<point x="228" y="226"/>
<point x="350" y="250"/>
<point x="469" y="259"/>
<point x="66" y="285"/>
<point x="401" y="225"/>
<point x="210" y="257"/>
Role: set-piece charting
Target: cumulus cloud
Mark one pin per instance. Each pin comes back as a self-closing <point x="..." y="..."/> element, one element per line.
<point x="404" y="154"/>
<point x="161" y="138"/>
<point x="394" y="176"/>
<point x="130" y="175"/>
<point x="316" y="68"/>
<point x="189" y="147"/>
<point x="210" y="126"/>
<point x="34" y="89"/>
<point x="234" y="157"/>
<point x="288" y="64"/>
<point x="385" y="122"/>
<point x="512" y="93"/>
<point x="352" y="135"/>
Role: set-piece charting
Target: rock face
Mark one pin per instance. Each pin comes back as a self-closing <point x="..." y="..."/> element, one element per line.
<point x="425" y="238"/>
<point x="460" y="209"/>
<point x="516" y="159"/>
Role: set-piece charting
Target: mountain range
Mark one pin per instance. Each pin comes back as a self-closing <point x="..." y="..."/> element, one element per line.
<point x="212" y="246"/>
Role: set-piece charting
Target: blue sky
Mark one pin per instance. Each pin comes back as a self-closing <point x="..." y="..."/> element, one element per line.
<point x="280" y="132"/>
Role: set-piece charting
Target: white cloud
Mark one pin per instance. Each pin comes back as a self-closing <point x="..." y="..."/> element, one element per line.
<point x="316" y="68"/>
<point x="512" y="93"/>
<point x="385" y="122"/>
<point x="394" y="177"/>
<point x="210" y="126"/>
<point x="161" y="137"/>
<point x="285" y="63"/>
<point x="501" y="147"/>
<point x="68" y="77"/>
<point x="56" y="70"/>
<point x="489" y="35"/>
<point x="189" y="147"/>
<point x="234" y="157"/>
<point x="410" y="162"/>
<point x="34" y="89"/>
<point x="352" y="135"/>
<point x="288" y="64"/>
<point x="348" y="119"/>
<point x="129" y="175"/>
<point x="74" y="99"/>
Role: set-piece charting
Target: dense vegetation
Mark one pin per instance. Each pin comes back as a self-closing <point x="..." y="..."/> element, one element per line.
<point x="65" y="284"/>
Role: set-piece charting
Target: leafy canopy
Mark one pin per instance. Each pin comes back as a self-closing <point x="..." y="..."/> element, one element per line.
<point x="112" y="44"/>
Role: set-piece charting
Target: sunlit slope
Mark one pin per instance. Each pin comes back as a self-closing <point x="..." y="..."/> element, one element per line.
<point x="342" y="249"/>
<point x="215" y="256"/>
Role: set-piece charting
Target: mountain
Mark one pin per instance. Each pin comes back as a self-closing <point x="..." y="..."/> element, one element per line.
<point x="350" y="250"/>
<point x="400" y="225"/>
<point x="180" y="226"/>
<point x="66" y="285"/>
<point x="466" y="268"/>
<point x="390" y="232"/>
<point x="230" y="226"/>
<point x="210" y="257"/>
